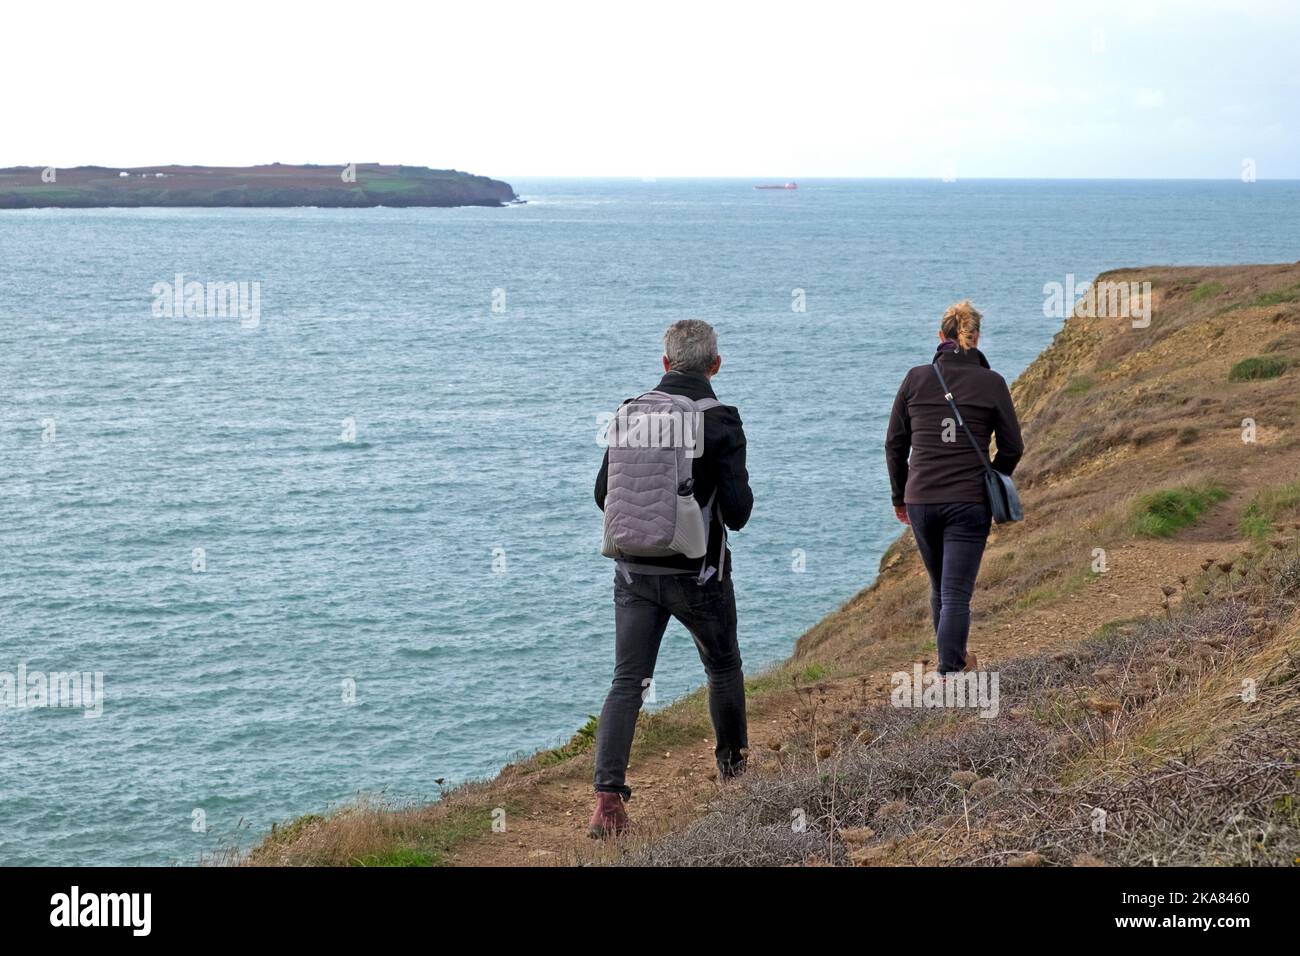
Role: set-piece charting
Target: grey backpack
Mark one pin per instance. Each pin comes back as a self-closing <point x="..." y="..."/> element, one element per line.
<point x="650" y="506"/>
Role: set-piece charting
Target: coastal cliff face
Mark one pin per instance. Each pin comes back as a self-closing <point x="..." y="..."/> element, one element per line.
<point x="1143" y="622"/>
<point x="1111" y="413"/>
<point x="275" y="185"/>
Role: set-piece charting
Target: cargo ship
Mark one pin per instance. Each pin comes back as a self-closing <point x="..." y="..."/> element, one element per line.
<point x="778" y="186"/>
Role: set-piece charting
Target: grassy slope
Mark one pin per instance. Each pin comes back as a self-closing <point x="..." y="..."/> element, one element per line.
<point x="1121" y="689"/>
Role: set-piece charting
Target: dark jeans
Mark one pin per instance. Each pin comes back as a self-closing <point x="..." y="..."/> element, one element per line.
<point x="641" y="612"/>
<point x="951" y="540"/>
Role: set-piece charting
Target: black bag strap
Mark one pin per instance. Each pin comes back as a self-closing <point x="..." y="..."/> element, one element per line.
<point x="960" y="421"/>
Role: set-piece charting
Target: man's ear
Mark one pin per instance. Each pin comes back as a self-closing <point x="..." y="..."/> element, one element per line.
<point x="717" y="364"/>
<point x="667" y="365"/>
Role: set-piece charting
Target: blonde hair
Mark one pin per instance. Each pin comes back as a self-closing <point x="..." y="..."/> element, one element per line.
<point x="960" y="324"/>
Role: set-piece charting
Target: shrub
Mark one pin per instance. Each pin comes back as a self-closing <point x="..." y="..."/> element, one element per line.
<point x="582" y="742"/>
<point x="1288" y="580"/>
<point x="1280" y="297"/>
<point x="1268" y="506"/>
<point x="1079" y="385"/>
<point x="1162" y="514"/>
<point x="1206" y="290"/>
<point x="1256" y="369"/>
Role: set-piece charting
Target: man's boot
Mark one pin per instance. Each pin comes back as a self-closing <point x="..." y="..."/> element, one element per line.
<point x="610" y="819"/>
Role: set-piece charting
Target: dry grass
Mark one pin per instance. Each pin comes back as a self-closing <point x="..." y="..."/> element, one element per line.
<point x="1145" y="722"/>
<point x="372" y="833"/>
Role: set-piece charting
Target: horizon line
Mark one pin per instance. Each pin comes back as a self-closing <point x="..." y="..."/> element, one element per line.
<point x="647" y="178"/>
<point x="773" y="179"/>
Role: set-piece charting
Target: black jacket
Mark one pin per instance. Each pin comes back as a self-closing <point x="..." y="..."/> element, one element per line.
<point x="721" y="465"/>
<point x="948" y="471"/>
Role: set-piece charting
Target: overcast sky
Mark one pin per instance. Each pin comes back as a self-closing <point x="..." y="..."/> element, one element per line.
<point x="794" y="89"/>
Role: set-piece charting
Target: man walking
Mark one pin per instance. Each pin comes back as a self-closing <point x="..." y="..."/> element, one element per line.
<point x="667" y="511"/>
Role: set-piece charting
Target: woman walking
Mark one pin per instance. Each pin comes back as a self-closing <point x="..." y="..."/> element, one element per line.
<point x="940" y="489"/>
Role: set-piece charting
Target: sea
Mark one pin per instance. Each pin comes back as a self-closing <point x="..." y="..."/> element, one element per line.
<point x="303" y="497"/>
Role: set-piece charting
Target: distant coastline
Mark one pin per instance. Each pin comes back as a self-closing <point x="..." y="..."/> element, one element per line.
<point x="356" y="185"/>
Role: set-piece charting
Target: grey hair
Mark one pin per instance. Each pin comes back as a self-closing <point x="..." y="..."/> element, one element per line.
<point x="691" y="345"/>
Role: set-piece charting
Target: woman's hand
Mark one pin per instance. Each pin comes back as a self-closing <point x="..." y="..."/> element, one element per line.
<point x="900" y="512"/>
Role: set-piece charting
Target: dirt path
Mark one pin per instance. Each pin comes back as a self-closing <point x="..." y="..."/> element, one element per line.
<point x="673" y="787"/>
<point x="1129" y="588"/>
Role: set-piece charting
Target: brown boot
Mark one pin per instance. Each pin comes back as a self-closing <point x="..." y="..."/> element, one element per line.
<point x="972" y="662"/>
<point x="610" y="819"/>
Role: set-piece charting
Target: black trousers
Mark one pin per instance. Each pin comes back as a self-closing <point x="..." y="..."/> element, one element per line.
<point x="642" y="608"/>
<point x="951" y="539"/>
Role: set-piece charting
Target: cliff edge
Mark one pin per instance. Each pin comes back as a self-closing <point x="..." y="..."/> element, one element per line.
<point x="1143" y="624"/>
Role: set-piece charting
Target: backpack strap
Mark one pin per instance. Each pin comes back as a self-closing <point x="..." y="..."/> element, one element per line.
<point x="961" y="421"/>
<point x="703" y="405"/>
<point x="706" y="571"/>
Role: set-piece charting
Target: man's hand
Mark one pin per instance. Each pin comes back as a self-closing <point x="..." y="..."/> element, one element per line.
<point x="900" y="512"/>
